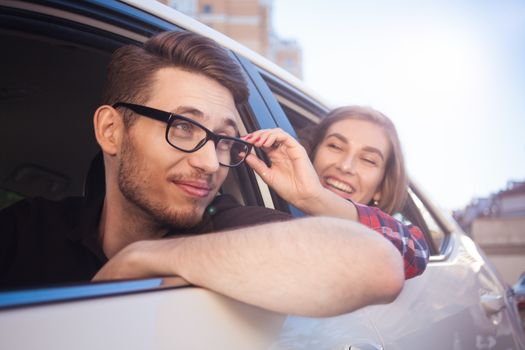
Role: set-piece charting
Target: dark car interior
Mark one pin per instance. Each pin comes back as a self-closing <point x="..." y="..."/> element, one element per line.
<point x="49" y="92"/>
<point x="52" y="78"/>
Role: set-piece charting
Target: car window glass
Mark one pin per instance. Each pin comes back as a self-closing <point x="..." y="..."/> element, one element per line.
<point x="402" y="218"/>
<point x="299" y="117"/>
<point x="437" y="234"/>
<point x="415" y="213"/>
<point x="300" y="109"/>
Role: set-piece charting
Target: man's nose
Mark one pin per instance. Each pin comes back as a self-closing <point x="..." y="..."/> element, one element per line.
<point x="205" y="158"/>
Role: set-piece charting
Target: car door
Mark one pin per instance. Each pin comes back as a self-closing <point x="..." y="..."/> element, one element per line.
<point x="458" y="303"/>
<point x="53" y="64"/>
<point x="140" y="314"/>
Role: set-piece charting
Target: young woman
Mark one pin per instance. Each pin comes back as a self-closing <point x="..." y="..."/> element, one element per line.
<point x="356" y="172"/>
<point x="375" y="157"/>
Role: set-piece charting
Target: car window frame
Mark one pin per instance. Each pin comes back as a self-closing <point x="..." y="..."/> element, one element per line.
<point x="266" y="84"/>
<point x="440" y="253"/>
<point x="94" y="25"/>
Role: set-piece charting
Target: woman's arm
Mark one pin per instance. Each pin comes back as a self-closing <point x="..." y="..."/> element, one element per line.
<point x="294" y="178"/>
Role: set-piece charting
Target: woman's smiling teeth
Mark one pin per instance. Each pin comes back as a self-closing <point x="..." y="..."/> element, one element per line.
<point x="339" y="185"/>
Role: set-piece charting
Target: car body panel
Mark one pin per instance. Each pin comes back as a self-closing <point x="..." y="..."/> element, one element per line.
<point x="518" y="293"/>
<point x="181" y="318"/>
<point x="443" y="308"/>
<point x="341" y="332"/>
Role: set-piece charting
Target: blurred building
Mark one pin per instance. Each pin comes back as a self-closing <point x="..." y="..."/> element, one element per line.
<point x="248" y="22"/>
<point x="497" y="224"/>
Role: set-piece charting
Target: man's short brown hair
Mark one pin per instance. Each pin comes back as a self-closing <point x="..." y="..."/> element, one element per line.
<point x="132" y="68"/>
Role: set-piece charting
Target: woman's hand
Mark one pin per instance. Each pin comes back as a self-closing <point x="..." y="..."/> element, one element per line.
<point x="291" y="173"/>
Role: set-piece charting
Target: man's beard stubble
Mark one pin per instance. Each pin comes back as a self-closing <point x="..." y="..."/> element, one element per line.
<point x="134" y="184"/>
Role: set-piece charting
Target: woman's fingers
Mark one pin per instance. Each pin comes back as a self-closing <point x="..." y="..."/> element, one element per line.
<point x="270" y="138"/>
<point x="258" y="166"/>
<point x="278" y="145"/>
<point x="260" y="138"/>
<point x="291" y="173"/>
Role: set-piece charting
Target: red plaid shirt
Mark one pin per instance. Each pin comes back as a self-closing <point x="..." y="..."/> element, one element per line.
<point x="409" y="240"/>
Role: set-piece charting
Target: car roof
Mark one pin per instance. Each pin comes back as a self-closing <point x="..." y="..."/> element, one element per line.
<point x="173" y="16"/>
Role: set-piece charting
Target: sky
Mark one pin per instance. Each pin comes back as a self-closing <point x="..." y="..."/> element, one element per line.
<point x="449" y="73"/>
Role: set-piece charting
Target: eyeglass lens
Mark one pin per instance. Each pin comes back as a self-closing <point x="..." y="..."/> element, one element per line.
<point x="188" y="136"/>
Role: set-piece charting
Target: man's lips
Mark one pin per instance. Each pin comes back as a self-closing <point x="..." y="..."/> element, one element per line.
<point x="194" y="188"/>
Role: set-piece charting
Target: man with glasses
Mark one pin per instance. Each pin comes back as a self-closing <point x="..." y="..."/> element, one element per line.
<point x="168" y="133"/>
<point x="188" y="136"/>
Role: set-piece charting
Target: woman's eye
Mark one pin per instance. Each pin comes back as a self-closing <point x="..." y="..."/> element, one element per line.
<point x="370" y="161"/>
<point x="334" y="146"/>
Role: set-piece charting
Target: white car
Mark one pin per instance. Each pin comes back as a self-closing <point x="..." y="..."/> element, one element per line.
<point x="519" y="292"/>
<point x="52" y="66"/>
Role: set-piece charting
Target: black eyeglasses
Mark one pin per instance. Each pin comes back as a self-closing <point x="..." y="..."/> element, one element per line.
<point x="188" y="136"/>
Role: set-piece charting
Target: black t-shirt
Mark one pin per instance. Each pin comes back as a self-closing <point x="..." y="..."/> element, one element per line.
<point x="44" y="242"/>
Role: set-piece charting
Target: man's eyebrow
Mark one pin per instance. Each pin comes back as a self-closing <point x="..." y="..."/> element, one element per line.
<point x="200" y="116"/>
<point x="369" y="149"/>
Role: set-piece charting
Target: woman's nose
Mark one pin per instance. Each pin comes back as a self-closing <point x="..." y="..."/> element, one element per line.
<point x="347" y="164"/>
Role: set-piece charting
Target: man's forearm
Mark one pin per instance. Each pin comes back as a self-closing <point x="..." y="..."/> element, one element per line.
<point x="312" y="266"/>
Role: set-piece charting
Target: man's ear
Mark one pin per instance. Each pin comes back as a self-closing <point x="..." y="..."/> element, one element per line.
<point x="109" y="128"/>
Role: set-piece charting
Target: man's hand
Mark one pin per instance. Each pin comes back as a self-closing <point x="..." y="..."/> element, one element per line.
<point x="138" y="260"/>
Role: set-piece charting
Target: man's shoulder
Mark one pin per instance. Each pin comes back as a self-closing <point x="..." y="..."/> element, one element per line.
<point x="225" y="212"/>
<point x="42" y="241"/>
